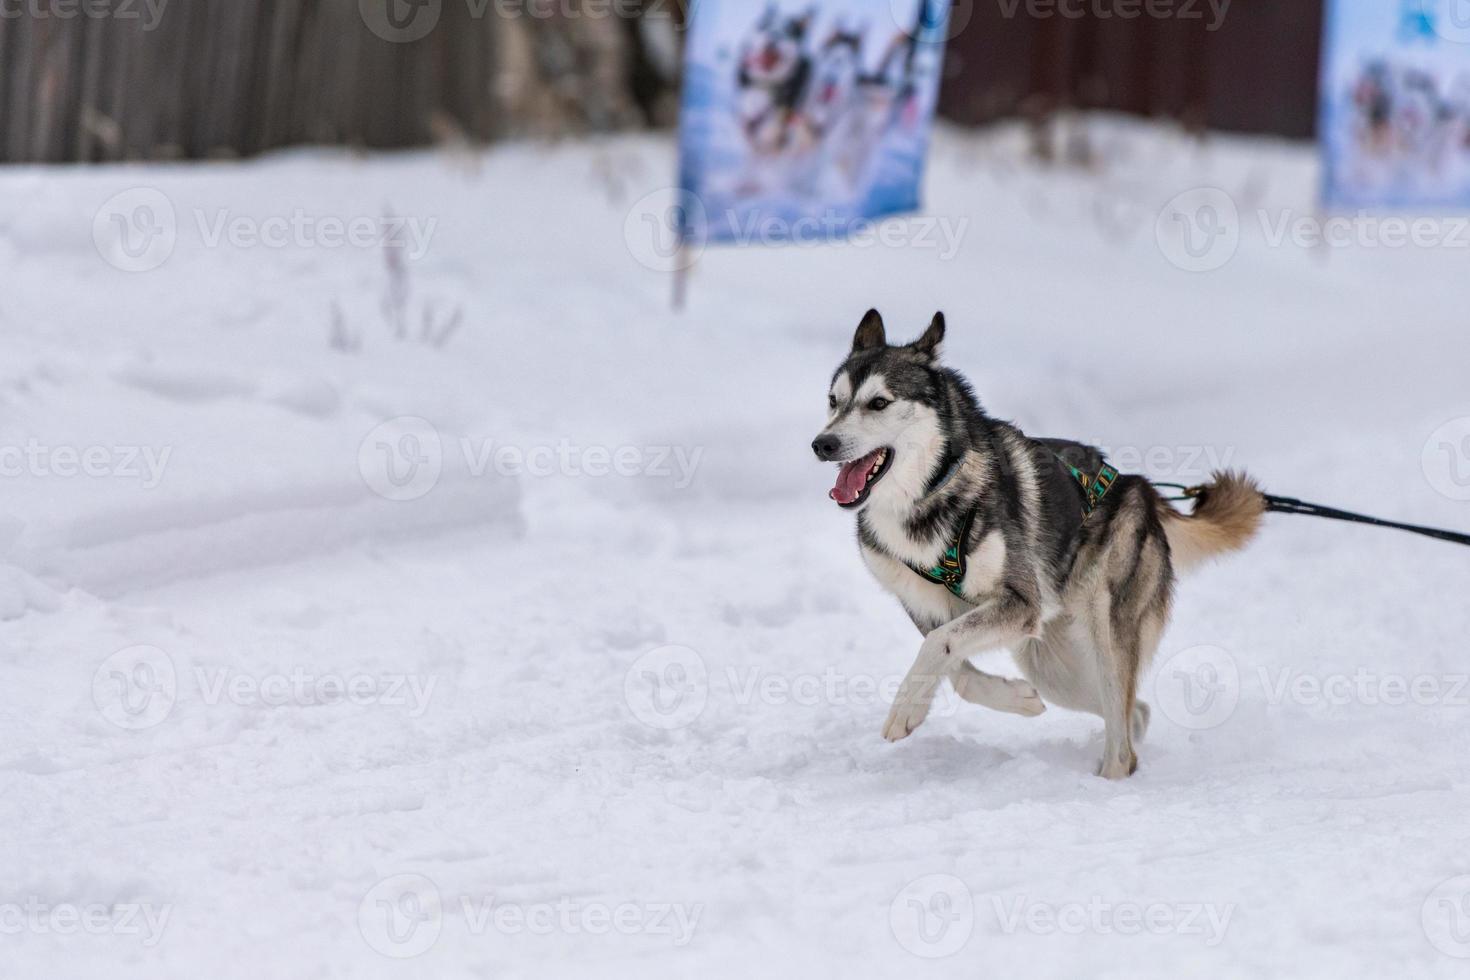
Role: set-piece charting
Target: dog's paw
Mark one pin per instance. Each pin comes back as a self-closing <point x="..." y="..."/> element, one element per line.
<point x="1024" y="699"/>
<point x="1118" y="768"/>
<point x="904" y="718"/>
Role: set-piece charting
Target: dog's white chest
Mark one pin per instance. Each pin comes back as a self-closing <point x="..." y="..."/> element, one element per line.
<point x="924" y="598"/>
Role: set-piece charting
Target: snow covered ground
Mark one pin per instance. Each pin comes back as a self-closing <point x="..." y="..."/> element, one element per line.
<point x="488" y="619"/>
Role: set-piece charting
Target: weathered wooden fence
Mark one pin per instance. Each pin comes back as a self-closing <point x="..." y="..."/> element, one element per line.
<point x="163" y="79"/>
<point x="204" y="78"/>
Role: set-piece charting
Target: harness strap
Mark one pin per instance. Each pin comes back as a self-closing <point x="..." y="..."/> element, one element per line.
<point x="950" y="572"/>
<point x="1095" y="487"/>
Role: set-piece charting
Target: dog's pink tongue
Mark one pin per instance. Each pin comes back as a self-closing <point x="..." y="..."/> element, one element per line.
<point x="852" y="477"/>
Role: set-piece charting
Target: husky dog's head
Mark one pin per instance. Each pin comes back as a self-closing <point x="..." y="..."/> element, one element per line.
<point x="774" y="51"/>
<point x="883" y="414"/>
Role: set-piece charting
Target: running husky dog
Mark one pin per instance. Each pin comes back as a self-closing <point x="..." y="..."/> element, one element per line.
<point x="991" y="539"/>
<point x="774" y="75"/>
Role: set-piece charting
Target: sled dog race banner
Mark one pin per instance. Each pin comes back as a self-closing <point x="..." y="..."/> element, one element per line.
<point x="805" y="121"/>
<point x="1395" y="104"/>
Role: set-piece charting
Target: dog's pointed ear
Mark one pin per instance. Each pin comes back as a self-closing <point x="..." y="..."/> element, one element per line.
<point x="870" y="335"/>
<point x="928" y="345"/>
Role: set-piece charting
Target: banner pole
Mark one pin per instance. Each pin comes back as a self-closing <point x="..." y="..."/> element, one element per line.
<point x="681" y="276"/>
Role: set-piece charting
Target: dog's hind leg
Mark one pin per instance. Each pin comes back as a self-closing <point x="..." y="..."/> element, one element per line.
<point x="1064" y="665"/>
<point x="1000" y="693"/>
<point x="1126" y="638"/>
<point x="1117" y="668"/>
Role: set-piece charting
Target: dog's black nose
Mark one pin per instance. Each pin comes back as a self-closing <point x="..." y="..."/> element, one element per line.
<point x="826" y="446"/>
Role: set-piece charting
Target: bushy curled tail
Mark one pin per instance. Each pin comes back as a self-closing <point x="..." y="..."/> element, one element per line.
<point x="1227" y="513"/>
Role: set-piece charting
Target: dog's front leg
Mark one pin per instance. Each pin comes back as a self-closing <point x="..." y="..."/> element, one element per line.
<point x="1002" y="621"/>
<point x="977" y="687"/>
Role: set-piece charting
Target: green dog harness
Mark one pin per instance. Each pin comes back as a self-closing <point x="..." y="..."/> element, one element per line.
<point x="1096" y="487"/>
<point x="950" y="572"/>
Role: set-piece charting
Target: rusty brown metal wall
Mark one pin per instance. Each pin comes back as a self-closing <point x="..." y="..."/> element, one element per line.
<point x="1256" y="72"/>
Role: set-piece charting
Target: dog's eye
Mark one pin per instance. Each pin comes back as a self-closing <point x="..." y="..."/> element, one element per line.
<point x="831" y="401"/>
<point x="878" y="404"/>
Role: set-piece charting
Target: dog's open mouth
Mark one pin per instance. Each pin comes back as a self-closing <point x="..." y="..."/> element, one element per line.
<point x="855" y="479"/>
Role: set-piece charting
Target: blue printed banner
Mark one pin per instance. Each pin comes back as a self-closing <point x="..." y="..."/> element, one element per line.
<point x="806" y="121"/>
<point x="1395" y="104"/>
